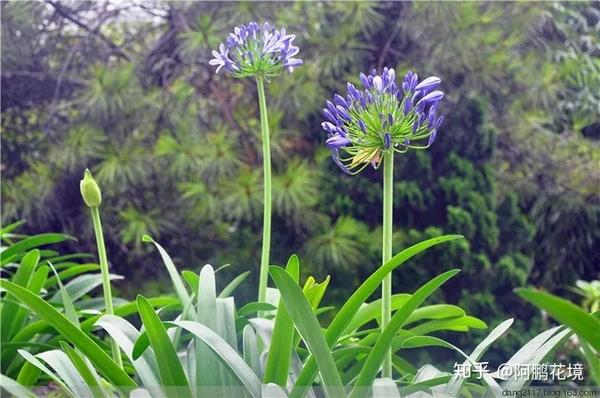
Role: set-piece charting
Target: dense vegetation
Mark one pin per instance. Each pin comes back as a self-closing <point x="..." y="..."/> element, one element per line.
<point x="127" y="91"/>
<point x="199" y="343"/>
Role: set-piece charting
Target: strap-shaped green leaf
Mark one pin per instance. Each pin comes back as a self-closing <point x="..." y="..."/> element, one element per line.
<point x="593" y="361"/>
<point x="235" y="282"/>
<point x="453" y="387"/>
<point x="373" y="362"/>
<point x="76" y="336"/>
<point x="15" y="388"/>
<point x="42" y="367"/>
<point x="28" y="375"/>
<point x="282" y="340"/>
<point x="87" y="373"/>
<point x="192" y="279"/>
<point x="207" y="372"/>
<point x="67" y="302"/>
<point x="458" y="324"/>
<point x="430" y="341"/>
<point x="31" y="242"/>
<point x="426" y="377"/>
<point x="70" y="273"/>
<point x="82" y="285"/>
<point x="583" y="324"/>
<point x="8" y="353"/>
<point x="534" y="352"/>
<point x="254" y="307"/>
<point x="182" y="293"/>
<point x="226" y="354"/>
<point x="169" y="367"/>
<point x="66" y="371"/>
<point x="352" y="305"/>
<point x="250" y="347"/>
<point x="125" y="334"/>
<point x="8" y="229"/>
<point x="87" y="325"/>
<point x="309" y="328"/>
<point x="435" y="311"/>
<point x="372" y="311"/>
<point x="11" y="310"/>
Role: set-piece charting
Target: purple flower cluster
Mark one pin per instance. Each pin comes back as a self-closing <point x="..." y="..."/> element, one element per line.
<point x="255" y="49"/>
<point x="381" y="116"/>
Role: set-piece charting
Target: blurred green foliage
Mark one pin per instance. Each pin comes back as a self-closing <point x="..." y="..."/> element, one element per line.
<point x="126" y="90"/>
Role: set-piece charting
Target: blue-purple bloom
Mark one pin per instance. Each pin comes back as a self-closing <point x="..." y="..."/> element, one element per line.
<point x="255" y="49"/>
<point x="382" y="116"/>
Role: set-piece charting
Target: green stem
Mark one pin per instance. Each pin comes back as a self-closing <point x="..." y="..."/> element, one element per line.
<point x="266" y="243"/>
<point x="116" y="352"/>
<point x="386" y="289"/>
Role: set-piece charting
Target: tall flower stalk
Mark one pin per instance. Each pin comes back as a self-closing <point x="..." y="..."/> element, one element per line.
<point x="266" y="243"/>
<point x="369" y="125"/>
<point x="93" y="198"/>
<point x="262" y="52"/>
<point x="386" y="250"/>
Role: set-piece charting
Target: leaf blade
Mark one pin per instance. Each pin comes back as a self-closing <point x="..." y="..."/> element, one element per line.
<point x="352" y="305"/>
<point x="66" y="328"/>
<point x="125" y="334"/>
<point x="309" y="328"/>
<point x="282" y="340"/>
<point x="182" y="293"/>
<point x="170" y="369"/>
<point x="228" y="356"/>
<point x="456" y="382"/>
<point x="384" y="341"/>
<point x="583" y="324"/>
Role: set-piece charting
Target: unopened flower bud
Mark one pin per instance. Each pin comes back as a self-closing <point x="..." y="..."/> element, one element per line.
<point x="329" y="116"/>
<point x="433" y="97"/>
<point x="407" y="106"/>
<point x="343" y="113"/>
<point x="362" y="126"/>
<point x="90" y="192"/>
<point x="387" y="141"/>
<point x="429" y="84"/>
<point x="432" y="137"/>
<point x="339" y="100"/>
<point x="364" y="80"/>
<point x="378" y="83"/>
<point x="337" y="141"/>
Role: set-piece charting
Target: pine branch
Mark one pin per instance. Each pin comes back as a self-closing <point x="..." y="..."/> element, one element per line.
<point x="67" y="13"/>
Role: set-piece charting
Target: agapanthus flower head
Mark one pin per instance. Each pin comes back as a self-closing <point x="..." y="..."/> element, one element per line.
<point x="255" y="49"/>
<point x="381" y="116"/>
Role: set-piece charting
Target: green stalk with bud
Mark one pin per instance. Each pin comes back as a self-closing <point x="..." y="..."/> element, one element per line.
<point x="93" y="198"/>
